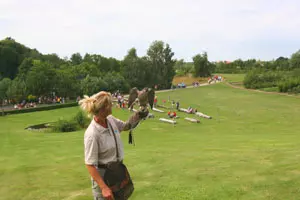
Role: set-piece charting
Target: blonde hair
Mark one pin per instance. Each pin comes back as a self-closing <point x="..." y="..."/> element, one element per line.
<point x="93" y="104"/>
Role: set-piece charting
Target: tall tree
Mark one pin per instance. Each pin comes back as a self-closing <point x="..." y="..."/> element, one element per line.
<point x="155" y="56"/>
<point x="76" y="59"/>
<point x="295" y="60"/>
<point x="162" y="64"/>
<point x="169" y="71"/>
<point x="42" y="79"/>
<point x="202" y="66"/>
<point x="135" y="70"/>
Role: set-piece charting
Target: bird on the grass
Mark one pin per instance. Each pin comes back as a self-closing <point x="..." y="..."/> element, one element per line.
<point x="145" y="96"/>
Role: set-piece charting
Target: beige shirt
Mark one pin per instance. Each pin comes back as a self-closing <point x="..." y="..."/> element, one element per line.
<point x="99" y="142"/>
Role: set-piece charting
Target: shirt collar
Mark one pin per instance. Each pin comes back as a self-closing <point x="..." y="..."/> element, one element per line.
<point x="100" y="128"/>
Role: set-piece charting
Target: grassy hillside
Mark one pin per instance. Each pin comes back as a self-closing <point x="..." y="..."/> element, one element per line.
<point x="249" y="150"/>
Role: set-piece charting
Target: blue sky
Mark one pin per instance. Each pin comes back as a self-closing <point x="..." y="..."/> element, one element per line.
<point x="227" y="30"/>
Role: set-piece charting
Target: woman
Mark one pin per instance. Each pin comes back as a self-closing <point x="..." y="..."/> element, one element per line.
<point x="102" y="141"/>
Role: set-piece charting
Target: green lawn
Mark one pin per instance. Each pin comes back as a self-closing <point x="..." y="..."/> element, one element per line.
<point x="249" y="150"/>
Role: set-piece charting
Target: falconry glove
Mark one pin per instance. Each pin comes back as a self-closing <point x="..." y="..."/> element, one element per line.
<point x="143" y="114"/>
<point x="133" y="121"/>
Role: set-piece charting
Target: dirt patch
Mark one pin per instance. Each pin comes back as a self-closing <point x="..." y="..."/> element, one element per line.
<point x="188" y="80"/>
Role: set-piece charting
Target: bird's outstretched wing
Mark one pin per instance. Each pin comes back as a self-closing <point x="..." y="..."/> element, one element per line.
<point x="151" y="96"/>
<point x="133" y="94"/>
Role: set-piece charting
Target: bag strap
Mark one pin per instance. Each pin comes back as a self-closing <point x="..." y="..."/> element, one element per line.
<point x="112" y="130"/>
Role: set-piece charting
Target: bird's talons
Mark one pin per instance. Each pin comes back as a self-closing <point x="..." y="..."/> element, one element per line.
<point x="143" y="109"/>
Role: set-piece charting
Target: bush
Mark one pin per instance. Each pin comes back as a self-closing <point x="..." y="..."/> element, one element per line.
<point x="82" y="119"/>
<point x="295" y="90"/>
<point x="256" y="79"/>
<point x="79" y="121"/>
<point x="291" y="85"/>
<point x="65" y="126"/>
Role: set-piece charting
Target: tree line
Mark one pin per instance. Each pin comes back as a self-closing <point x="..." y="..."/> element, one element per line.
<point x="279" y="64"/>
<point x="25" y="71"/>
<point x="201" y="66"/>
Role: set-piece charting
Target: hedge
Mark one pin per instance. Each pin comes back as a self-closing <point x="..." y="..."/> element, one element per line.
<point x="65" y="126"/>
<point x="291" y="85"/>
<point x="43" y="108"/>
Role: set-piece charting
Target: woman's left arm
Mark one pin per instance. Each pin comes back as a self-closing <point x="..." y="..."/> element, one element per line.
<point x="125" y="126"/>
<point x="133" y="119"/>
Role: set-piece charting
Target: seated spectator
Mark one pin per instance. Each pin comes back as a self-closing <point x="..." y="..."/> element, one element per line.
<point x="172" y="114"/>
<point x="190" y="110"/>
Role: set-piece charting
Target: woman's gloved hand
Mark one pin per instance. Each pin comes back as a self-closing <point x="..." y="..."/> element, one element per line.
<point x="135" y="118"/>
<point x="143" y="114"/>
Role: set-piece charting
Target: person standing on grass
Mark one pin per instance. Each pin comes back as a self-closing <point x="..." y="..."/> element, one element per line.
<point x="103" y="148"/>
<point x="173" y="104"/>
<point x="177" y="105"/>
<point x="155" y="101"/>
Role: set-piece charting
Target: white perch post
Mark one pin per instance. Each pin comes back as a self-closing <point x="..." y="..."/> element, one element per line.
<point x="192" y="120"/>
<point x="203" y="115"/>
<point x="167" y="120"/>
<point x="183" y="110"/>
<point x="157" y="110"/>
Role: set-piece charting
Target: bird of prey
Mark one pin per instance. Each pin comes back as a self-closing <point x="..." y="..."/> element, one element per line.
<point x="144" y="96"/>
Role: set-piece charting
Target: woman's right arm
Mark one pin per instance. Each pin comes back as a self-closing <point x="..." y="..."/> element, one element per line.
<point x="91" y="159"/>
<point x="106" y="191"/>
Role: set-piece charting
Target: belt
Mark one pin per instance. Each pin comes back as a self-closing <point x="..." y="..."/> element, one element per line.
<point x="110" y="164"/>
